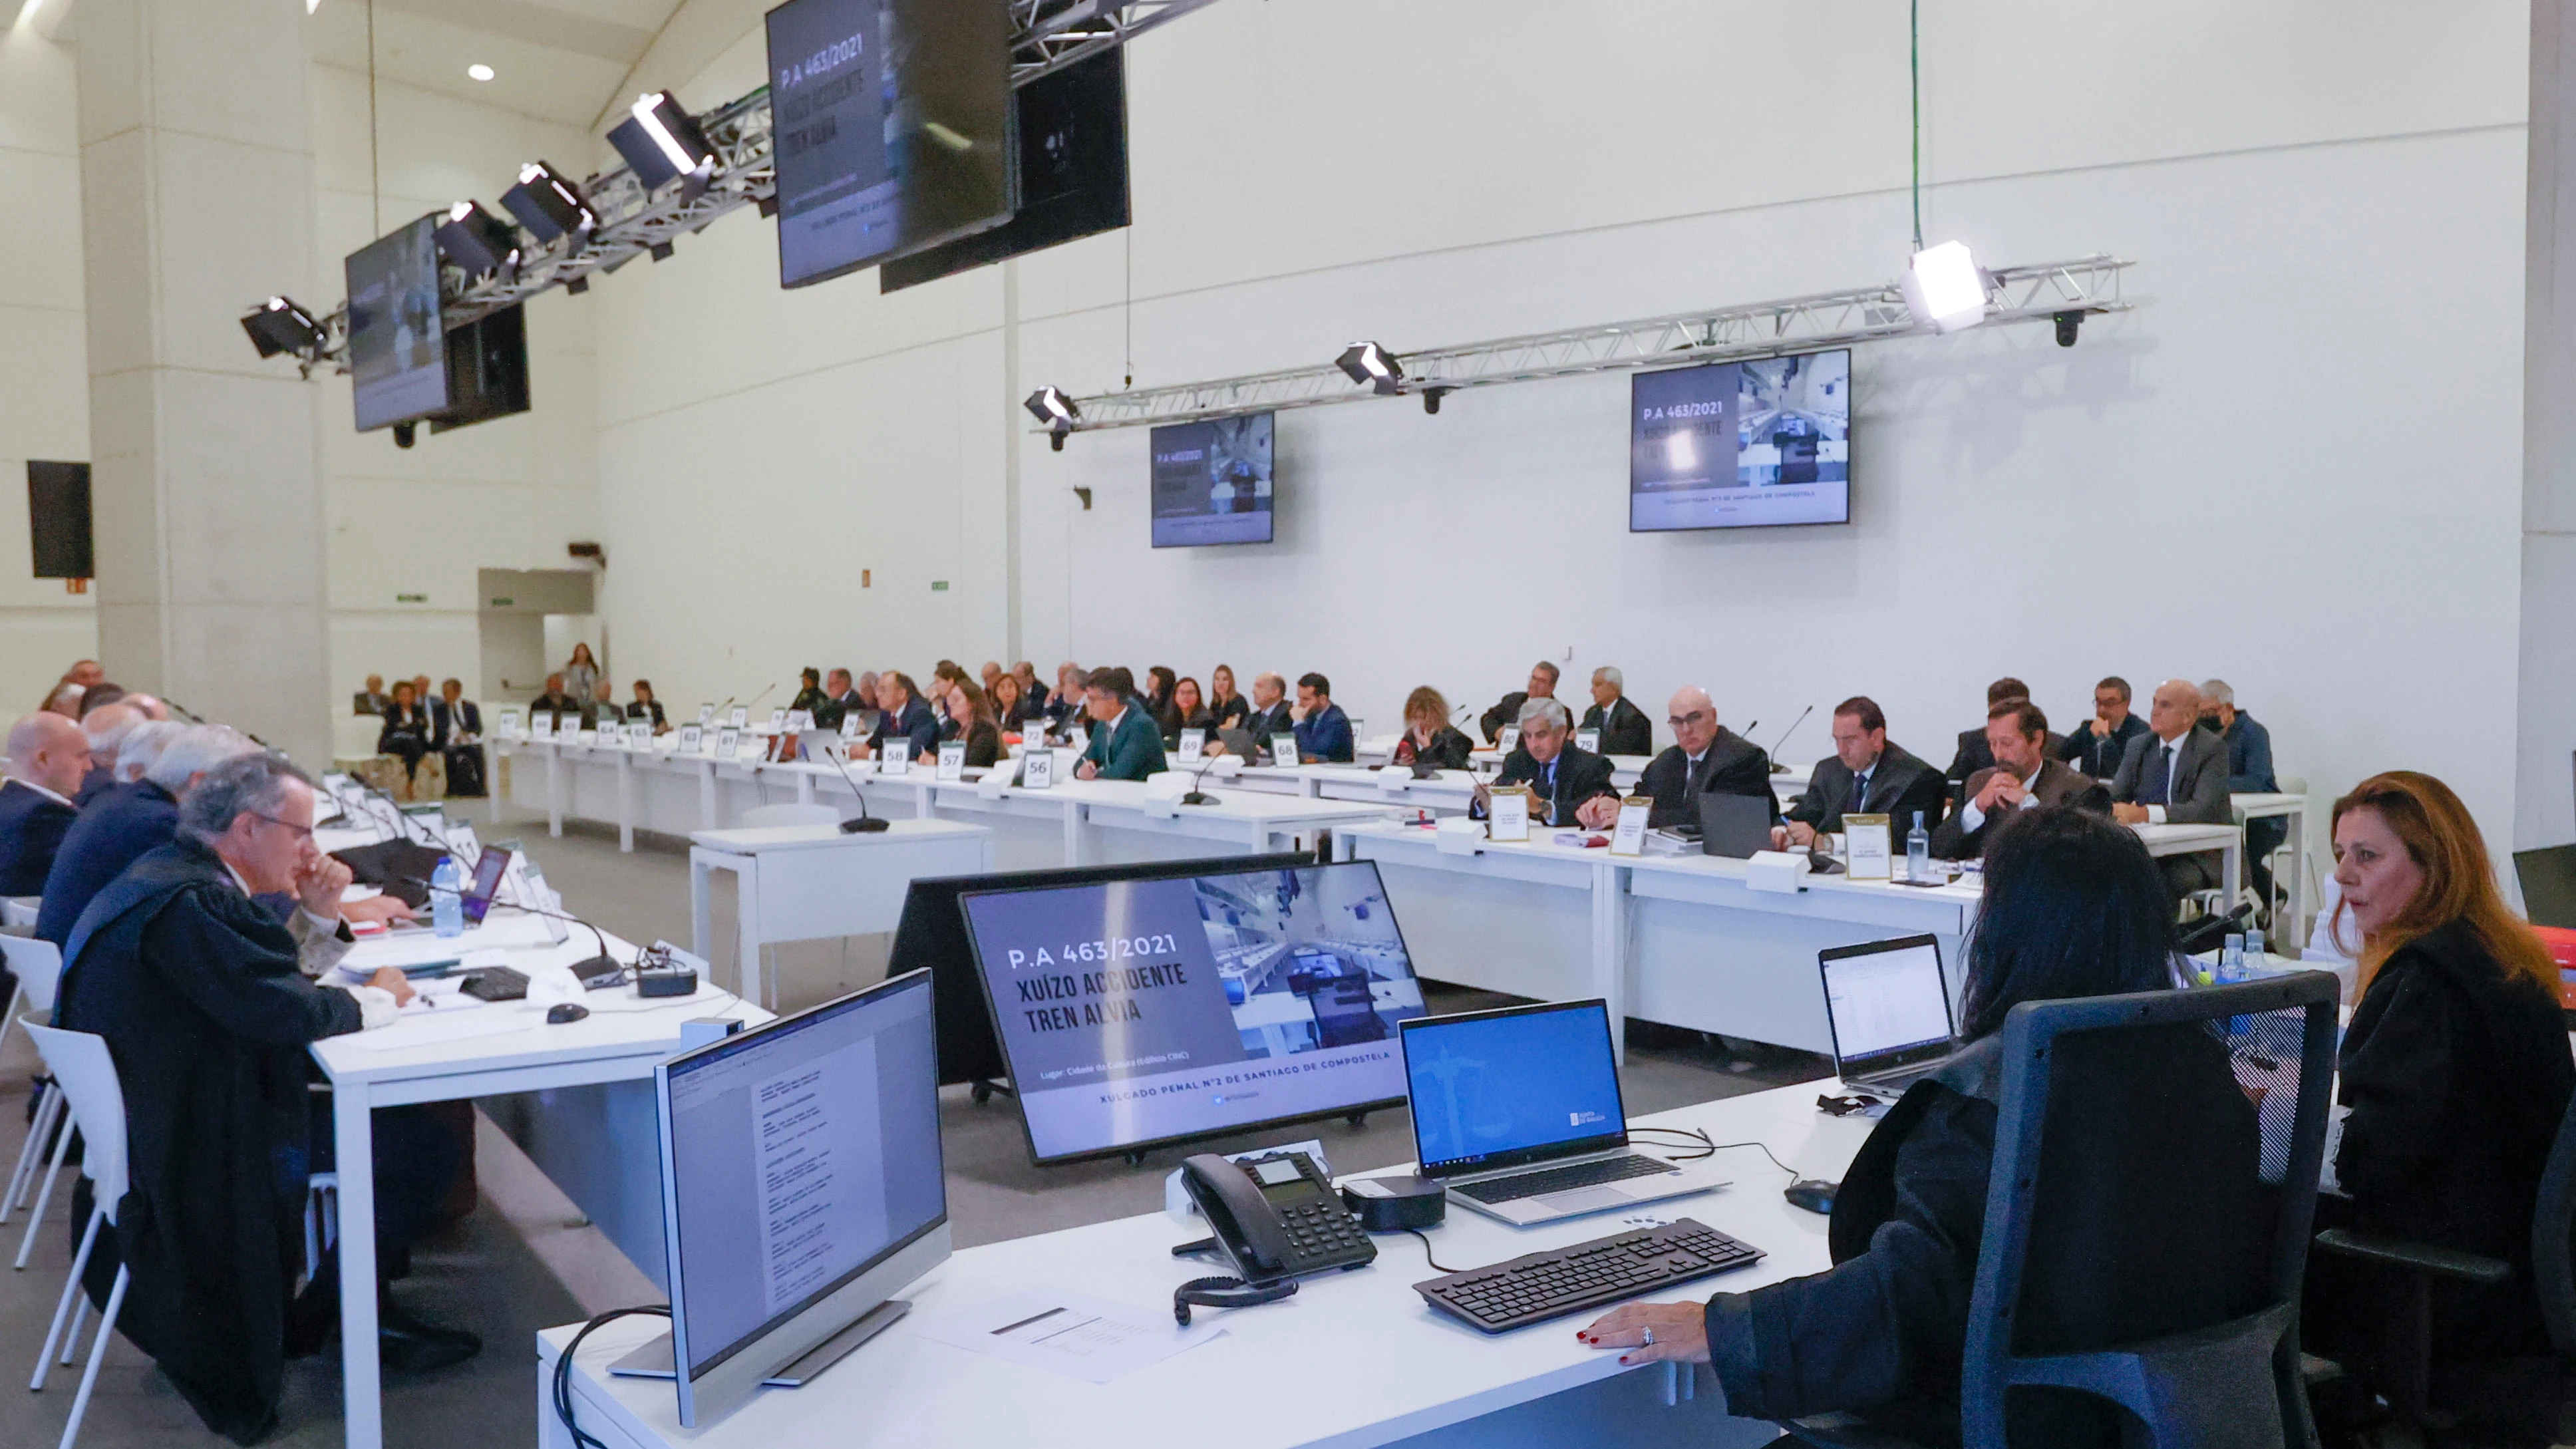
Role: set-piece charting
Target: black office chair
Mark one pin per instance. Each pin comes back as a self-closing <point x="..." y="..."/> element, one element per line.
<point x="2527" y="1398"/>
<point x="2064" y="1323"/>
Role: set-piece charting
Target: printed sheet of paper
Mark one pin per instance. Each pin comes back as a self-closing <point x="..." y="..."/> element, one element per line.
<point x="1072" y="1333"/>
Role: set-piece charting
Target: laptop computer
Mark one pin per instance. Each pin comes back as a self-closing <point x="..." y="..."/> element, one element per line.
<point x="1518" y="1112"/>
<point x="1888" y="1004"/>
<point x="1734" y="825"/>
<point x="1241" y="745"/>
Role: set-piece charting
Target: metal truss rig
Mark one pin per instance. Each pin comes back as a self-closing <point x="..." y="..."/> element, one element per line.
<point x="2089" y="285"/>
<point x="1048" y="36"/>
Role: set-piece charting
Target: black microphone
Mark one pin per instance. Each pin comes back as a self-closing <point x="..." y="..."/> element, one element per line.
<point x="1207" y="762"/>
<point x="1776" y="767"/>
<point x="599" y="971"/>
<point x="190" y="715"/>
<point x="866" y="824"/>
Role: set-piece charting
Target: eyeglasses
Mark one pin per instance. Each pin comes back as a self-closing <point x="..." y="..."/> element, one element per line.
<point x="305" y="830"/>
<point x="1678" y="720"/>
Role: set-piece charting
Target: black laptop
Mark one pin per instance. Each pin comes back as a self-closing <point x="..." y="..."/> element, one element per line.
<point x="1734" y="825"/>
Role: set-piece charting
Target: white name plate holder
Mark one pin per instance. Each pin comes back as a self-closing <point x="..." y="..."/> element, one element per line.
<point x="1509" y="740"/>
<point x="706" y="715"/>
<point x="1193" y="746"/>
<point x="728" y="742"/>
<point x="1037" y="770"/>
<point x="1283" y="750"/>
<point x="509" y="722"/>
<point x="739" y="716"/>
<point x="777" y="720"/>
<point x="1628" y="836"/>
<point x="1868" y="842"/>
<point x="895" y="758"/>
<point x="1511" y="813"/>
<point x="1588" y="741"/>
<point x="541" y="726"/>
<point x="693" y="739"/>
<point x="952" y="761"/>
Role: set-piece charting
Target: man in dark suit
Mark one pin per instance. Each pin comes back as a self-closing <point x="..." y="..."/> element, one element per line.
<point x="47" y="757"/>
<point x="902" y="716"/>
<point x="456" y="729"/>
<point x="372" y="699"/>
<point x="843" y="696"/>
<point x="1323" y="731"/>
<point x="1270" y="712"/>
<point x="1706" y="758"/>
<point x="2025" y="776"/>
<point x="1624" y="728"/>
<point x="105" y="728"/>
<point x="2096" y="749"/>
<point x="554" y="701"/>
<point x="1562" y="780"/>
<point x="1868" y="775"/>
<point x="1507" y="710"/>
<point x="2176" y="774"/>
<point x="1126" y="744"/>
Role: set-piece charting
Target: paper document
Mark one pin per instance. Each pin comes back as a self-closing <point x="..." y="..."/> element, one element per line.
<point x="1073" y="1333"/>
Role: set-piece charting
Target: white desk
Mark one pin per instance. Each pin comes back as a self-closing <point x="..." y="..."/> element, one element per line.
<point x="2228" y="840"/>
<point x="1674" y="939"/>
<point x="799" y="882"/>
<point x="1120" y="820"/>
<point x="620" y="1041"/>
<point x="2293" y="809"/>
<point x="1354" y="1360"/>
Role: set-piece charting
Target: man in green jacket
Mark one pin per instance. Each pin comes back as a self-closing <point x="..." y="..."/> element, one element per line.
<point x="1125" y="742"/>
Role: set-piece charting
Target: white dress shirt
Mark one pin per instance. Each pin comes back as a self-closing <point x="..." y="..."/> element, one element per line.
<point x="1972" y="819"/>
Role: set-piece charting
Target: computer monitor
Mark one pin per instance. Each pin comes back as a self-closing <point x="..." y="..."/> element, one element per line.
<point x="2548" y="880"/>
<point x="1748" y="444"/>
<point x="1155" y="1009"/>
<point x="1213" y="481"/>
<point x="1497" y="1089"/>
<point x="931" y="936"/>
<point x="801" y="1187"/>
<point x="1887" y="1004"/>
<point x="489" y="869"/>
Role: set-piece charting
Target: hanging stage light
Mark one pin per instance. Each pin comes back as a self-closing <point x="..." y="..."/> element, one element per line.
<point x="1944" y="287"/>
<point x="547" y="205"/>
<point x="1050" y="406"/>
<point x="661" y="141"/>
<point x="279" y="325"/>
<point x="475" y="240"/>
<point x="1370" y="363"/>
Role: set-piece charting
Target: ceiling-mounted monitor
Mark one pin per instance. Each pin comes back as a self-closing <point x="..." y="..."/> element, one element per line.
<point x="397" y="345"/>
<point x="892" y="128"/>
<point x="1073" y="172"/>
<point x="1212" y="481"/>
<point x="1741" y="444"/>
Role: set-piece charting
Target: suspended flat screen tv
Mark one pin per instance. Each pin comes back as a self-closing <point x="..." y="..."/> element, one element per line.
<point x="1741" y="444"/>
<point x="1212" y="481"/>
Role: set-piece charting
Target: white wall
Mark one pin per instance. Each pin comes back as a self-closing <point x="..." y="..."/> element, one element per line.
<point x="2296" y="466"/>
<point x="44" y="352"/>
<point x="506" y="494"/>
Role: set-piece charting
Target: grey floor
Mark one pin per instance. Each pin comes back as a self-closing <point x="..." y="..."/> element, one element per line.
<point x="524" y="1260"/>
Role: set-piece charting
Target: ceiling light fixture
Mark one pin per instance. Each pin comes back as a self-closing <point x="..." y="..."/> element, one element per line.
<point x="475" y="240"/>
<point x="27" y="12"/>
<point x="1944" y="287"/>
<point x="662" y="141"/>
<point x="549" y="206"/>
<point x="479" y="71"/>
<point x="1050" y="406"/>
<point x="1371" y="363"/>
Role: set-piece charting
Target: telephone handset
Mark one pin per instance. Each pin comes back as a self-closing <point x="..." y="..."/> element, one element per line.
<point x="1273" y="1218"/>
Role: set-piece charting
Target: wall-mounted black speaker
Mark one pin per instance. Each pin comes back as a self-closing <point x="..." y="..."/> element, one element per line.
<point x="58" y="519"/>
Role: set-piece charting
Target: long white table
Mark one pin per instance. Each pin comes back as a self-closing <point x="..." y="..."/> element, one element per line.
<point x="1071" y="823"/>
<point x="1674" y="939"/>
<point x="511" y="1049"/>
<point x="1354" y="1360"/>
<point x="801" y="882"/>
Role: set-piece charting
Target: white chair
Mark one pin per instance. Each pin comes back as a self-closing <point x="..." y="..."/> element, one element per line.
<point x="762" y="816"/>
<point x="81" y="1064"/>
<point x="19" y="912"/>
<point x="39" y="969"/>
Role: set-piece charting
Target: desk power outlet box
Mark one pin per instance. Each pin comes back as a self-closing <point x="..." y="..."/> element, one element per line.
<point x="1393" y="1204"/>
<point x="676" y="981"/>
<point x="706" y="1031"/>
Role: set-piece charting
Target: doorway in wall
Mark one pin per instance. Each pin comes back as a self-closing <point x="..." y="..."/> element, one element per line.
<point x="529" y="620"/>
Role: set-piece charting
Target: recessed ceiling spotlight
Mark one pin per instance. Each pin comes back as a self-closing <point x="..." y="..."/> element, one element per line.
<point x="479" y="71"/>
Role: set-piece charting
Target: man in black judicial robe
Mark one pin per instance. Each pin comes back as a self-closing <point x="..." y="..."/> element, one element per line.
<point x="1561" y="779"/>
<point x="1706" y="758"/>
<point x="195" y="986"/>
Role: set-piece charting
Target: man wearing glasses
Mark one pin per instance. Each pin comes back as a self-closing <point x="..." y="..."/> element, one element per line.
<point x="197" y="989"/>
<point x="1705" y="758"/>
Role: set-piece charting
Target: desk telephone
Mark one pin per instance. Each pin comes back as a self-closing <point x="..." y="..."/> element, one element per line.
<point x="1273" y="1218"/>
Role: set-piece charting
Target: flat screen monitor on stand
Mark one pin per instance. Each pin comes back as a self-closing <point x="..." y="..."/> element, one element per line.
<point x="801" y="1190"/>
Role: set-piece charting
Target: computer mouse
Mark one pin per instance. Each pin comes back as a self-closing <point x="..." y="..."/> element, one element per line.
<point x="571" y="1011"/>
<point x="1813" y="1194"/>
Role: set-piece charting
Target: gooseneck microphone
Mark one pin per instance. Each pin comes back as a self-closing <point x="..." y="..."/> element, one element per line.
<point x="1776" y="767"/>
<point x="599" y="971"/>
<point x="1196" y="796"/>
<point x="866" y="824"/>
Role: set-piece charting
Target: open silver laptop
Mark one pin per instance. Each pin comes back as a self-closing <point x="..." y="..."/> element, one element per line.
<point x="1888" y="1003"/>
<point x="1518" y="1111"/>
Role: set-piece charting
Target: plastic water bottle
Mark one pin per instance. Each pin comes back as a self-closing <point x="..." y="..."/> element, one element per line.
<point x="2254" y="958"/>
<point x="446" y="897"/>
<point x="1918" y="850"/>
<point x="2231" y="959"/>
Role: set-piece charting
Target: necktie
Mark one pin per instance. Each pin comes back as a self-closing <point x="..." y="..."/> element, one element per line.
<point x="2155" y="791"/>
<point x="1860" y="793"/>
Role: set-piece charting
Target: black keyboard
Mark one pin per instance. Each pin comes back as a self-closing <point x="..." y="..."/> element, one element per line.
<point x="1539" y="1286"/>
<point x="1557" y="1179"/>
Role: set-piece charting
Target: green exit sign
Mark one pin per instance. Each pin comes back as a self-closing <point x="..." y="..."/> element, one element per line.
<point x="411" y="598"/>
<point x="503" y="603"/>
<point x="939" y="586"/>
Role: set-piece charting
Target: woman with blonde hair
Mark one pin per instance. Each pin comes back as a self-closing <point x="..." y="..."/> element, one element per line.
<point x="1428" y="737"/>
<point x="2455" y="1070"/>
